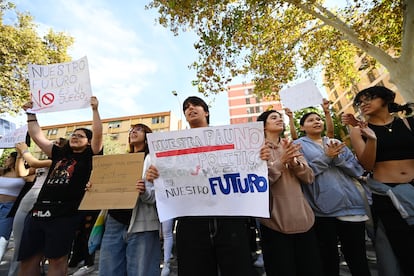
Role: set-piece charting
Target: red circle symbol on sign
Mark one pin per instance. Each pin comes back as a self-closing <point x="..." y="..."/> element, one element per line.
<point x="48" y="98"/>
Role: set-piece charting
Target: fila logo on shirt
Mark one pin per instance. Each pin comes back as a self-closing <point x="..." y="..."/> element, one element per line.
<point x="41" y="214"/>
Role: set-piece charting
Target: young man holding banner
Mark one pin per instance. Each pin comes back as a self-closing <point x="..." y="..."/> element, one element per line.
<point x="50" y="227"/>
<point x="209" y="245"/>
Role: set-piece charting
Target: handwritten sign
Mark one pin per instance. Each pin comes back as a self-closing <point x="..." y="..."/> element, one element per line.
<point x="113" y="181"/>
<point x="210" y="171"/>
<point x="60" y="86"/>
<point x="302" y="95"/>
<point x="10" y="139"/>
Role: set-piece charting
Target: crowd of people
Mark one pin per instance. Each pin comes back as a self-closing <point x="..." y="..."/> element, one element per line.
<point x="321" y="195"/>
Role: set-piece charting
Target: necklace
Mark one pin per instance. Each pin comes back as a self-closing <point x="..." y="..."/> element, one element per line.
<point x="389" y="126"/>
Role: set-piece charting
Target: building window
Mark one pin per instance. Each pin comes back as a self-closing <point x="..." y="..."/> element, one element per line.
<point x="116" y="124"/>
<point x="251" y="110"/>
<point x="52" y="131"/>
<point x="371" y="76"/>
<point x="247" y="100"/>
<point x="158" y="120"/>
<point x="250" y="119"/>
<point x="257" y="109"/>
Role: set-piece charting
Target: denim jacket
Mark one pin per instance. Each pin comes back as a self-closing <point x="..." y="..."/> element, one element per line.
<point x="333" y="193"/>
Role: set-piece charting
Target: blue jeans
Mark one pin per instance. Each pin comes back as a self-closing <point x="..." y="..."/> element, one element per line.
<point x="6" y="223"/>
<point x="132" y="254"/>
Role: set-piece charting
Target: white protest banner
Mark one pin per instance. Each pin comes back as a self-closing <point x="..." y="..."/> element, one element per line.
<point x="211" y="171"/>
<point x="302" y="95"/>
<point x="60" y="86"/>
<point x="10" y="139"/>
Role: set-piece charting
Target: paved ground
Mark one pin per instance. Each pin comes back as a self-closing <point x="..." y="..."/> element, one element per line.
<point x="4" y="265"/>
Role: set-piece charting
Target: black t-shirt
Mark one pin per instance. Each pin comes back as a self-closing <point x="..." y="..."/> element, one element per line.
<point x="64" y="186"/>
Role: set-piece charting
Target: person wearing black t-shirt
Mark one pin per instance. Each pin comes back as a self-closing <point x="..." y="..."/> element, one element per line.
<point x="50" y="226"/>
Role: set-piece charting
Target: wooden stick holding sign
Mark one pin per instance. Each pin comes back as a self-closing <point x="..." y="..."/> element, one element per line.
<point x="113" y="181"/>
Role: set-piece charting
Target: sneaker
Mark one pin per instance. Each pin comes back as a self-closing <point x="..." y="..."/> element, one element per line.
<point x="73" y="268"/>
<point x="259" y="261"/>
<point x="165" y="269"/>
<point x="84" y="270"/>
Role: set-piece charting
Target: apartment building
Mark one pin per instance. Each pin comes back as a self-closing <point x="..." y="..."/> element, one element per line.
<point x="342" y="98"/>
<point x="116" y="130"/>
<point x="245" y="106"/>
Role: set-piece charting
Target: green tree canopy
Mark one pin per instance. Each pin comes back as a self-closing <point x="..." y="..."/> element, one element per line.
<point x="270" y="40"/>
<point x="20" y="45"/>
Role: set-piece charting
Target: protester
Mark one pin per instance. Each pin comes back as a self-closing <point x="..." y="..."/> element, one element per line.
<point x="131" y="242"/>
<point x="384" y="146"/>
<point x="50" y="227"/>
<point x="209" y="245"/>
<point x="288" y="239"/>
<point x="80" y="261"/>
<point x="329" y="122"/>
<point x="338" y="204"/>
<point x="10" y="185"/>
<point x="27" y="201"/>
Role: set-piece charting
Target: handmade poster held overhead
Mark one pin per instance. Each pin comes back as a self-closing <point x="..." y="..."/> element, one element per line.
<point x="60" y="86"/>
<point x="210" y="171"/>
<point x="10" y="139"/>
<point x="300" y="96"/>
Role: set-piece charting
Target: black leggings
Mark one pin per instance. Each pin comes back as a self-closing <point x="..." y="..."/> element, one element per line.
<point x="399" y="233"/>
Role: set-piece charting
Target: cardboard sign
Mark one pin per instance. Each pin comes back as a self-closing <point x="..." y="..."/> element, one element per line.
<point x="302" y="95"/>
<point x="10" y="139"/>
<point x="113" y="181"/>
<point x="212" y="171"/>
<point x="60" y="86"/>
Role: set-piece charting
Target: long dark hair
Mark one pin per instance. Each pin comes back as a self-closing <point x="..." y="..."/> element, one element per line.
<point x="146" y="129"/>
<point x="263" y="118"/>
<point x="387" y="95"/>
<point x="14" y="156"/>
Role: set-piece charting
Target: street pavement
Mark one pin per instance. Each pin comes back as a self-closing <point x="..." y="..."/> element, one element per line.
<point x="344" y="271"/>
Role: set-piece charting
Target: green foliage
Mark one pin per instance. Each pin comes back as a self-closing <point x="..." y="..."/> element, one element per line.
<point x="112" y="146"/>
<point x="272" y="40"/>
<point x="20" y="45"/>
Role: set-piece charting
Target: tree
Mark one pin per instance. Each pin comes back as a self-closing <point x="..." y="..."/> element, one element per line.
<point x="112" y="146"/>
<point x="20" y="45"/>
<point x="271" y="40"/>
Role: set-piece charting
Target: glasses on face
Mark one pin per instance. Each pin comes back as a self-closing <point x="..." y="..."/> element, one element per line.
<point x="77" y="135"/>
<point x="365" y="100"/>
<point x="136" y="129"/>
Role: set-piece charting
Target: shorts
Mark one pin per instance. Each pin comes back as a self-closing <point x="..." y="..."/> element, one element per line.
<point x="52" y="237"/>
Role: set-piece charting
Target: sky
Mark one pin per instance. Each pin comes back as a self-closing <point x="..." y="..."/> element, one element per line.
<point x="134" y="63"/>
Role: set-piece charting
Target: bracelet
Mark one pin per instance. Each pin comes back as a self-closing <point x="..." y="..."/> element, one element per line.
<point x="23" y="152"/>
<point x="32" y="120"/>
<point x="30" y="113"/>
